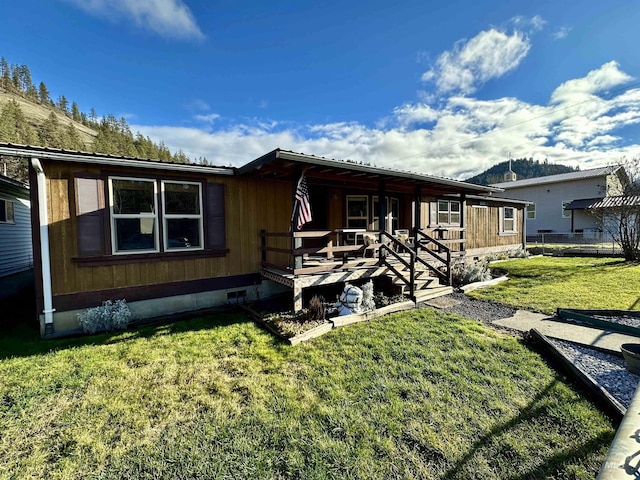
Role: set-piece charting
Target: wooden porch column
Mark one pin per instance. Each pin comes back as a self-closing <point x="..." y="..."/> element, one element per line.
<point x="382" y="204"/>
<point x="417" y="211"/>
<point x="463" y="219"/>
<point x="295" y="242"/>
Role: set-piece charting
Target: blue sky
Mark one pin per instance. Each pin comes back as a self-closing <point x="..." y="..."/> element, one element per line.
<point x="446" y="88"/>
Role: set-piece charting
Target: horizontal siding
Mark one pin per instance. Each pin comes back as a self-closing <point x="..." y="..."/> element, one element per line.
<point x="16" y="253"/>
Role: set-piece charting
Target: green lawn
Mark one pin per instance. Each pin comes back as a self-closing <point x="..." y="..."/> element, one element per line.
<point x="546" y="283"/>
<point x="416" y="395"/>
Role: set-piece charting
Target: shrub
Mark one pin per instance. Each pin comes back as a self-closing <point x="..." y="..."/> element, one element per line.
<point x="519" y="253"/>
<point x="464" y="273"/>
<point x="317" y="309"/>
<point x="112" y="315"/>
<point x="368" y="302"/>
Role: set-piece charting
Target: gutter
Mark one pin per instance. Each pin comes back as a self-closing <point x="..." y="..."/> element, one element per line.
<point x="43" y="224"/>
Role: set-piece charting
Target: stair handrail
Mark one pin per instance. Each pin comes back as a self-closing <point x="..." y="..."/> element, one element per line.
<point x="419" y="237"/>
<point x="386" y="251"/>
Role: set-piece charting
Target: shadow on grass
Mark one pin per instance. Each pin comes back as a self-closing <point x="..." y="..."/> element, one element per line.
<point x="23" y="339"/>
<point x="530" y="412"/>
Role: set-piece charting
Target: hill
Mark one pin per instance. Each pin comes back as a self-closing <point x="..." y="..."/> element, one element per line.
<point x="523" y="168"/>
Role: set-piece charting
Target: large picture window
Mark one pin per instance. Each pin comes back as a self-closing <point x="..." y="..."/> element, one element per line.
<point x="393" y="214"/>
<point x="6" y="211"/>
<point x="182" y="215"/>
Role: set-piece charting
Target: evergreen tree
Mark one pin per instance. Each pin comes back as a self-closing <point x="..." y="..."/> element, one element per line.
<point x="71" y="139"/>
<point x="14" y="127"/>
<point x="43" y="94"/>
<point x="63" y="104"/>
<point x="75" y="112"/>
<point x="49" y="134"/>
<point x="5" y="74"/>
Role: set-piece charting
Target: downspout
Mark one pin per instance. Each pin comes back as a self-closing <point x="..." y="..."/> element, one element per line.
<point x="524" y="228"/>
<point x="45" y="258"/>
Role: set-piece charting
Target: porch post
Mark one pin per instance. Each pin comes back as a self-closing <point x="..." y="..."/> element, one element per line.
<point x="417" y="211"/>
<point x="295" y="242"/>
<point x="463" y="219"/>
<point x="382" y="203"/>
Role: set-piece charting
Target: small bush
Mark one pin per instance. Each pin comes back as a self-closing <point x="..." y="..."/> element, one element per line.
<point x="112" y="315"/>
<point x="368" y="302"/>
<point x="464" y="273"/>
<point x="317" y="309"/>
<point x="519" y="253"/>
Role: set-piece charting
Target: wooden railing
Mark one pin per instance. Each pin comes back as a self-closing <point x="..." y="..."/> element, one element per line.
<point x="325" y="255"/>
<point x="312" y="252"/>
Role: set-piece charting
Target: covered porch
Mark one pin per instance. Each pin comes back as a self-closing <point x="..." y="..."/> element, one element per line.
<point x="352" y="234"/>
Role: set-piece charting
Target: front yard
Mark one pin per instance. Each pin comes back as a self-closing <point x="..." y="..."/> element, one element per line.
<point x="544" y="284"/>
<point x="419" y="394"/>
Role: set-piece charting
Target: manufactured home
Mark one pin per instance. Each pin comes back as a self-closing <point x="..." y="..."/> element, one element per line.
<point x="15" y="227"/>
<point x="172" y="238"/>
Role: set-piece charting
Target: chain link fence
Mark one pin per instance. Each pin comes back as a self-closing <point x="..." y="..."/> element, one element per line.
<point x="588" y="242"/>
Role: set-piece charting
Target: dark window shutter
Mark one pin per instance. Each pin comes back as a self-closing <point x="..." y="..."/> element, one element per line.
<point x="216" y="237"/>
<point x="90" y="212"/>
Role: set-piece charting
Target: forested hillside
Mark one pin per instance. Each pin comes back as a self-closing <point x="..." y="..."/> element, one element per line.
<point x="523" y="167"/>
<point x="30" y="116"/>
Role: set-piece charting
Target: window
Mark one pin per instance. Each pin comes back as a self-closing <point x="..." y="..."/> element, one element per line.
<point x="6" y="211"/>
<point x="566" y="213"/>
<point x="135" y="215"/>
<point x="531" y="211"/>
<point x="448" y="212"/>
<point x="357" y="211"/>
<point x="508" y="220"/>
<point x="143" y="215"/>
<point x="134" y="220"/>
<point x="181" y="203"/>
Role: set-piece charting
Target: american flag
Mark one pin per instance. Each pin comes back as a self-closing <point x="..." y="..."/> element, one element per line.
<point x="302" y="206"/>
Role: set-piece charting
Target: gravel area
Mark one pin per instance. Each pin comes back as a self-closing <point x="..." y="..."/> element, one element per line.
<point x="608" y="370"/>
<point x="628" y="320"/>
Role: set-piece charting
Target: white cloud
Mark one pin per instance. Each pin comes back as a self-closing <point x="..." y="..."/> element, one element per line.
<point x="561" y="33"/>
<point x="168" y="18"/>
<point x="208" y="118"/>
<point x="488" y="55"/>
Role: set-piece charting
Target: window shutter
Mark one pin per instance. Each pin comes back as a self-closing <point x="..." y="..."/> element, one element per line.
<point x="433" y="213"/>
<point x="501" y="219"/>
<point x="216" y="237"/>
<point x="90" y="211"/>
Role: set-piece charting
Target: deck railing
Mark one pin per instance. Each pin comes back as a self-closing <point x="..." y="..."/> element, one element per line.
<point x="320" y="251"/>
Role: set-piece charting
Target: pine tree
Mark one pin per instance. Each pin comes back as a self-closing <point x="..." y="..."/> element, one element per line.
<point x="14" y="127"/>
<point x="75" y="112"/>
<point x="48" y="132"/>
<point x="5" y="74"/>
<point x="63" y="104"/>
<point x="43" y="94"/>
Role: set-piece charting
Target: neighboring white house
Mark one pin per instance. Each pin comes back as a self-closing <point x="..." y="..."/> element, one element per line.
<point x="551" y="195"/>
<point x="16" y="252"/>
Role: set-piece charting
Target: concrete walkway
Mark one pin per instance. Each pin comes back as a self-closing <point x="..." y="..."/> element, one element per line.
<point x="552" y="327"/>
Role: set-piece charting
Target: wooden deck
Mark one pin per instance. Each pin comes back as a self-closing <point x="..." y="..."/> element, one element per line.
<point x="416" y="268"/>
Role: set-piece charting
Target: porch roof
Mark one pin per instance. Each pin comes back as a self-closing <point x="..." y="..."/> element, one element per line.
<point x="287" y="165"/>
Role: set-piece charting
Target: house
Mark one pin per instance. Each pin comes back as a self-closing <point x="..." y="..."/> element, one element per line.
<point x="16" y="254"/>
<point x="558" y="202"/>
<point x="173" y="238"/>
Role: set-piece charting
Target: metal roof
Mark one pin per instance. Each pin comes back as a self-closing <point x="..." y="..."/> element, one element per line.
<point x="561" y="177"/>
<point x="283" y="164"/>
<point x="605" y="202"/>
<point x="28" y="151"/>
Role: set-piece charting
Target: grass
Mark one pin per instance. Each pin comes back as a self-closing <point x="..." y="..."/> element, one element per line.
<point x="419" y="394"/>
<point x="546" y="283"/>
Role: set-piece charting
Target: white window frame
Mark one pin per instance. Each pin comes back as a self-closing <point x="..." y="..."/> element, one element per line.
<point x="503" y="220"/>
<point x="167" y="216"/>
<point x="9" y="211"/>
<point x="531" y="209"/>
<point x="449" y="212"/>
<point x="365" y="216"/>
<point x="142" y="215"/>
<point x="566" y="213"/>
